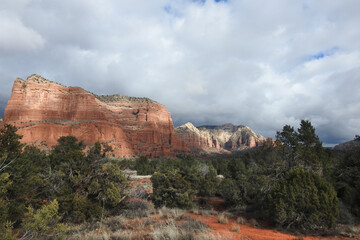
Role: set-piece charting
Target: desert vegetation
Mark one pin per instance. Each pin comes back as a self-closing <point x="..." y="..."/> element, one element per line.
<point x="293" y="184"/>
<point x="41" y="193"/>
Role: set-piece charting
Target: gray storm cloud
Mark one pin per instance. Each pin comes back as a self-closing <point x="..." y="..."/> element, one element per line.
<point x="259" y="63"/>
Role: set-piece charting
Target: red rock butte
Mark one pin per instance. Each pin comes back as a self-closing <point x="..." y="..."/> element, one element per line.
<point x="43" y="111"/>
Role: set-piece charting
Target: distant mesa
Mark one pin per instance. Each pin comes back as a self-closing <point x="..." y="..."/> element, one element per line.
<point x="219" y="139"/>
<point x="44" y="111"/>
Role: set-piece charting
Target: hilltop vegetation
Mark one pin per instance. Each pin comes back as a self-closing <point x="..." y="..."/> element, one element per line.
<point x="40" y="190"/>
<point x="293" y="184"/>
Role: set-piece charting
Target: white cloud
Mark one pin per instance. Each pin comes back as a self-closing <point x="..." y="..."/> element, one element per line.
<point x="209" y="63"/>
<point x="15" y="36"/>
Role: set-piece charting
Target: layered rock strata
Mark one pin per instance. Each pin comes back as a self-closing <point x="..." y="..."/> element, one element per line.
<point x="222" y="139"/>
<point x="43" y="111"/>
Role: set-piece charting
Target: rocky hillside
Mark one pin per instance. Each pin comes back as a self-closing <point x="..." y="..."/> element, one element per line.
<point x="347" y="145"/>
<point x="44" y="111"/>
<point x="222" y="139"/>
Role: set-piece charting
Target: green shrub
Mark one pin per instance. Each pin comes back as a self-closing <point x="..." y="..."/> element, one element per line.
<point x="302" y="200"/>
<point x="44" y="222"/>
<point x="143" y="167"/>
<point x="6" y="231"/>
<point x="5" y="184"/>
<point x="138" y="208"/>
<point x="347" y="181"/>
<point x="230" y="191"/>
<point x="172" y="190"/>
<point x="85" y="185"/>
<point x="206" y="187"/>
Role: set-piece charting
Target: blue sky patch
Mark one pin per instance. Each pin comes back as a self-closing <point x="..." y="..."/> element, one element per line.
<point x="200" y="1"/>
<point x="203" y="1"/>
<point x="323" y="54"/>
<point x="172" y="11"/>
<point x="318" y="56"/>
<point x="167" y="8"/>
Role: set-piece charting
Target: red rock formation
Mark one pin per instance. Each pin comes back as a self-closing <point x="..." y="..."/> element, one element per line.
<point x="222" y="139"/>
<point x="44" y="111"/>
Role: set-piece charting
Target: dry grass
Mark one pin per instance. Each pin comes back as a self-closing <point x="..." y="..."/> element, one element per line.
<point x="240" y="220"/>
<point x="194" y="226"/>
<point x="222" y="219"/>
<point x="164" y="224"/>
<point x="138" y="208"/>
<point x="166" y="231"/>
<point x="91" y="235"/>
<point x="210" y="237"/>
<point x="167" y="213"/>
<point x="235" y="228"/>
<point x="184" y="231"/>
<point x="195" y="210"/>
<point x="122" y="235"/>
<point x="351" y="231"/>
<point x="115" y="223"/>
<point x="208" y="212"/>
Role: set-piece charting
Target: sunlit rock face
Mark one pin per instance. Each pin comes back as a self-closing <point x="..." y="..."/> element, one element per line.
<point x="222" y="139"/>
<point x="44" y="111"/>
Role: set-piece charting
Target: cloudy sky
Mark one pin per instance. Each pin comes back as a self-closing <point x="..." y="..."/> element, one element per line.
<point x="259" y="63"/>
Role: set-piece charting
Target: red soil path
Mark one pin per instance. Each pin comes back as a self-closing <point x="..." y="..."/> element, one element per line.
<point x="247" y="232"/>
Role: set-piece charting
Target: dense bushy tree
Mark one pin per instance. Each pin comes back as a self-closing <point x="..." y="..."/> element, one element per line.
<point x="26" y="171"/>
<point x="9" y="140"/>
<point x="143" y="166"/>
<point x="191" y="172"/>
<point x="262" y="177"/>
<point x="30" y="175"/>
<point x="5" y="184"/>
<point x="44" y="223"/>
<point x="207" y="182"/>
<point x="301" y="148"/>
<point x="66" y="145"/>
<point x="206" y="187"/>
<point x="171" y="189"/>
<point x="307" y="135"/>
<point x="222" y="166"/>
<point x="230" y="191"/>
<point x="10" y="146"/>
<point x="84" y="185"/>
<point x="347" y="179"/>
<point x="302" y="199"/>
<point x="178" y="180"/>
<point x="288" y="142"/>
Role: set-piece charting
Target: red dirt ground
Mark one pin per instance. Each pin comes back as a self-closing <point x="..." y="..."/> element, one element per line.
<point x="246" y="232"/>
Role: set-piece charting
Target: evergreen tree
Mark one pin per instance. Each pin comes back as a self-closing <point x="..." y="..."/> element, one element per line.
<point x="171" y="189"/>
<point x="85" y="185"/>
<point x="288" y="142"/>
<point x="302" y="200"/>
<point x="347" y="179"/>
<point x="10" y="146"/>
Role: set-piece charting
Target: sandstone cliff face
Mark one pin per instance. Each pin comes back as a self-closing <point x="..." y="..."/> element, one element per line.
<point x="222" y="139"/>
<point x="44" y="111"/>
